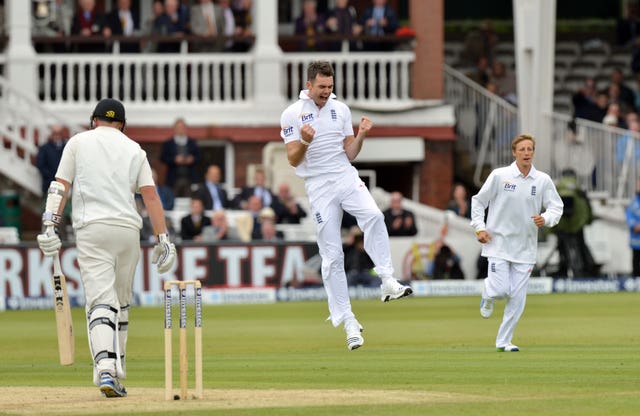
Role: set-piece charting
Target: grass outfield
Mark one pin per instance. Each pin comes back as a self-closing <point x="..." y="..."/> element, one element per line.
<point x="580" y="355"/>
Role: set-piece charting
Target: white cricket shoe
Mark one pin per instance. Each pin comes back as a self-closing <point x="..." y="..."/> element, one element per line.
<point x="354" y="334"/>
<point x="508" y="348"/>
<point x="392" y="289"/>
<point x="110" y="386"/>
<point x="486" y="307"/>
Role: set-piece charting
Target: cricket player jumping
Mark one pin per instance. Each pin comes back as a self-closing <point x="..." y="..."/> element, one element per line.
<point x="106" y="168"/>
<point x="320" y="143"/>
<point x="516" y="196"/>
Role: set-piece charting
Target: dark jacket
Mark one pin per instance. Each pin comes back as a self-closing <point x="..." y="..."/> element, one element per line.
<point x="204" y="194"/>
<point x="112" y="21"/>
<point x="168" y="156"/>
<point x="47" y="162"/>
<point x="188" y="230"/>
<point x="389" y="217"/>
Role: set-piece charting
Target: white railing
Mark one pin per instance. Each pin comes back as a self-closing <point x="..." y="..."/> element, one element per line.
<point x="486" y="123"/>
<point x="158" y="79"/>
<point x="25" y="126"/>
<point x="372" y="78"/>
<point x="606" y="161"/>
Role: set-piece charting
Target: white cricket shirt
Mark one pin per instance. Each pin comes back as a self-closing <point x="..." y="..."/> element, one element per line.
<point x="512" y="199"/>
<point x="106" y="169"/>
<point x="332" y="123"/>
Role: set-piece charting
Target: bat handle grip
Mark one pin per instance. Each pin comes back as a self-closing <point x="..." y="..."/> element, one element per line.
<point x="57" y="269"/>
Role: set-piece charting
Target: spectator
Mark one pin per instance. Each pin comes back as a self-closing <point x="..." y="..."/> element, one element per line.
<point x="626" y="96"/>
<point x="614" y="116"/>
<point x="628" y="27"/>
<point x="248" y="222"/>
<point x="219" y="230"/>
<point x="399" y="221"/>
<point x="181" y="154"/>
<point x="88" y="22"/>
<point x="357" y="263"/>
<point x="192" y="224"/>
<point x="343" y="20"/>
<point x="460" y="202"/>
<point x="259" y="189"/>
<point x="211" y="191"/>
<point x="626" y="147"/>
<point x="47" y="161"/>
<point x="229" y="24"/>
<point x="149" y="29"/>
<point x="379" y="19"/>
<point x="575" y="257"/>
<point x="146" y="232"/>
<point x="164" y="192"/>
<point x="480" y="73"/>
<point x="505" y="82"/>
<point x="174" y="21"/>
<point x="49" y="155"/>
<point x="207" y="19"/>
<point x="287" y="209"/>
<point x="311" y="24"/>
<point x="633" y="222"/>
<point x="446" y="264"/>
<point x="267" y="223"/>
<point x="242" y="14"/>
<point x="480" y="43"/>
<point x="50" y="19"/>
<point x="121" y="22"/>
<point x="588" y="103"/>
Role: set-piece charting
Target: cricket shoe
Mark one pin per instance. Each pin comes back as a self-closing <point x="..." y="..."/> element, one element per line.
<point x="486" y="307"/>
<point x="508" y="348"/>
<point x="110" y="386"/>
<point x="392" y="289"/>
<point x="354" y="334"/>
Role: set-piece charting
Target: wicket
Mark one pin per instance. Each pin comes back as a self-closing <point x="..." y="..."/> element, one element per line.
<point x="168" y="358"/>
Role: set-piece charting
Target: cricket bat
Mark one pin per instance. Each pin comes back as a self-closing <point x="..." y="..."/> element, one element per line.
<point x="64" y="323"/>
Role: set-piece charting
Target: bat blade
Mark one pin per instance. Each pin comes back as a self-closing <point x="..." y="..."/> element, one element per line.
<point x="62" y="308"/>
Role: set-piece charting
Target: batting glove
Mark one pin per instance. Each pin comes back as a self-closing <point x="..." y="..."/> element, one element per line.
<point x="49" y="244"/>
<point x="163" y="254"/>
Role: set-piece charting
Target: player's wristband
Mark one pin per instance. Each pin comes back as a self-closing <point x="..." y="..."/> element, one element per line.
<point x="478" y="232"/>
<point x="49" y="218"/>
<point x="304" y="142"/>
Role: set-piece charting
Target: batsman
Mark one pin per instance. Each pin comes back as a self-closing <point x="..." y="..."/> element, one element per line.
<point x="104" y="169"/>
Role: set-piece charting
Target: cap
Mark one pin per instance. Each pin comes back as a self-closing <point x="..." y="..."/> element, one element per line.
<point x="110" y="110"/>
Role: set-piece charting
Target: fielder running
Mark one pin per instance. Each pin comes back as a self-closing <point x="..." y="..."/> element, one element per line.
<point x="320" y="143"/>
<point x="515" y="195"/>
<point x="106" y="168"/>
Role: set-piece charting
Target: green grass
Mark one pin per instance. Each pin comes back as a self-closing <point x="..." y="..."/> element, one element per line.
<point x="580" y="355"/>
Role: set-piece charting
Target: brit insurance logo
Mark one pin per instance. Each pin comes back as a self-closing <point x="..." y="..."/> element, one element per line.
<point x="509" y="187"/>
<point x="334" y="115"/>
<point x="306" y="117"/>
<point x="287" y="131"/>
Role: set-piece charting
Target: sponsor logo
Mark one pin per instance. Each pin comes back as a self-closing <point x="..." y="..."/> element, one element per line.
<point x="493" y="267"/>
<point x="533" y="190"/>
<point x="287" y="131"/>
<point x="110" y="114"/>
<point x="306" y="118"/>
<point x="318" y="218"/>
<point x="509" y="187"/>
<point x="334" y="115"/>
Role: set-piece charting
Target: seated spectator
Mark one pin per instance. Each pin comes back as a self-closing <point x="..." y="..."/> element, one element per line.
<point x="588" y="103"/>
<point x="88" y="22"/>
<point x="460" y="202"/>
<point x="191" y="225"/>
<point x="505" y="81"/>
<point x="480" y="42"/>
<point x="399" y="221"/>
<point x="219" y="230"/>
<point x="211" y="191"/>
<point x="207" y="19"/>
<point x="343" y="20"/>
<point x="267" y="220"/>
<point x="242" y="15"/>
<point x="229" y="24"/>
<point x="288" y="211"/>
<point x="625" y="96"/>
<point x="121" y="22"/>
<point x="157" y="9"/>
<point x="311" y="24"/>
<point x="50" y="19"/>
<point x="379" y="19"/>
<point x="181" y="154"/>
<point x="446" y="264"/>
<point x="248" y="223"/>
<point x="357" y="263"/>
<point x="626" y="149"/>
<point x="174" y="21"/>
<point x="480" y="73"/>
<point x="259" y="189"/>
<point x="613" y="117"/>
<point x="164" y="192"/>
<point x="146" y="232"/>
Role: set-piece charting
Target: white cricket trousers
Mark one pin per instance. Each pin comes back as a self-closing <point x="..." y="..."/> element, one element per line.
<point x="507" y="280"/>
<point x="108" y="256"/>
<point x="328" y="196"/>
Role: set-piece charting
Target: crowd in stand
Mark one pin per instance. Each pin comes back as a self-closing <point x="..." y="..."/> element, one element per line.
<point x="214" y="26"/>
